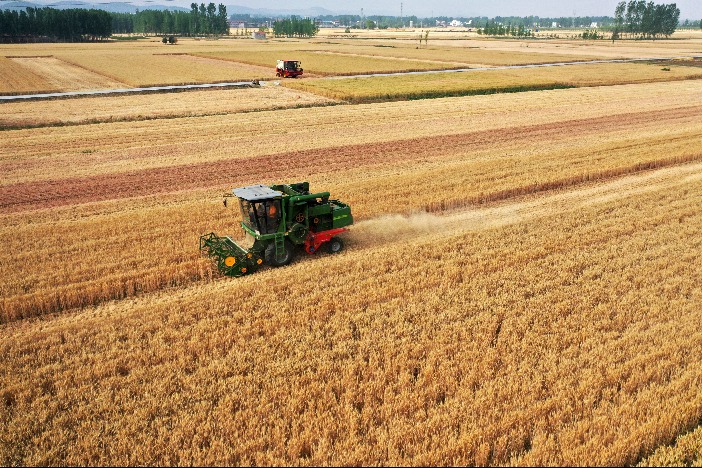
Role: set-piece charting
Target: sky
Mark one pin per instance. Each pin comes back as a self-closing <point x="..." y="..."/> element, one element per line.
<point x="691" y="9"/>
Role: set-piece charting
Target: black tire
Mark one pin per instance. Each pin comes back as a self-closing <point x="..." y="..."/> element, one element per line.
<point x="336" y="245"/>
<point x="271" y="259"/>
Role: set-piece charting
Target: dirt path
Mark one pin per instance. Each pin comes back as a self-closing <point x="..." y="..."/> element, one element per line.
<point x="398" y="227"/>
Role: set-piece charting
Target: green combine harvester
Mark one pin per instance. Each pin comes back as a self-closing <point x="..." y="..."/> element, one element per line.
<point x="277" y="221"/>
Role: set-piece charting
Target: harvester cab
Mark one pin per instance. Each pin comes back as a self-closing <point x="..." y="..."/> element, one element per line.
<point x="288" y="68"/>
<point x="278" y="220"/>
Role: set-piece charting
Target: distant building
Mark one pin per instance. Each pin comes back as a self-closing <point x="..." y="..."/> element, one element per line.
<point x="456" y="24"/>
<point x="593" y="24"/>
<point x="260" y="35"/>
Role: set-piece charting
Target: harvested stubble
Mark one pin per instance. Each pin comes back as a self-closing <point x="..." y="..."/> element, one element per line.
<point x="320" y="63"/>
<point x="571" y="339"/>
<point x="457" y="52"/>
<point x="65" y="76"/>
<point x="452" y="169"/>
<point x="153" y="106"/>
<point x="155" y="69"/>
<point x="17" y="79"/>
<point x="135" y="64"/>
<point x="104" y="149"/>
<point x="388" y="88"/>
<point x="627" y="49"/>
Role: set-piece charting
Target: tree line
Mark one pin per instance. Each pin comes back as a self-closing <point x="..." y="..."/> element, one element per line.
<point x="71" y="25"/>
<point x="200" y="20"/>
<point x="496" y="29"/>
<point x="76" y="25"/>
<point x="645" y="20"/>
<point x="295" y="27"/>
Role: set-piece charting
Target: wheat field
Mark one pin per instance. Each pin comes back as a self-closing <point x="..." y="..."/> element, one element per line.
<point x="521" y="286"/>
<point x="403" y="87"/>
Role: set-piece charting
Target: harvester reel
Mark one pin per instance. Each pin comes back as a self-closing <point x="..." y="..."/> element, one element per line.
<point x="231" y="259"/>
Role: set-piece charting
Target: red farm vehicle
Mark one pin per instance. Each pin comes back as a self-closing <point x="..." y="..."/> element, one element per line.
<point x="288" y="68"/>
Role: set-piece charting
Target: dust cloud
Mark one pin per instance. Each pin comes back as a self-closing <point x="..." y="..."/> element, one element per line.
<point x="397" y="227"/>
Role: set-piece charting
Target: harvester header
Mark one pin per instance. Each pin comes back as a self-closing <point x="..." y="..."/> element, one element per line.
<point x="278" y="220"/>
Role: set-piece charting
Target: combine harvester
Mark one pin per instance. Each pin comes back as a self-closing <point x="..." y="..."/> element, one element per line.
<point x="288" y="68"/>
<point x="277" y="220"/>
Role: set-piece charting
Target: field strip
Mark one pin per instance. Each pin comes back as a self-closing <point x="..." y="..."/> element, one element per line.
<point x="64" y="75"/>
<point x="66" y="191"/>
<point x="365" y="236"/>
<point x="511" y="67"/>
<point x="151" y="106"/>
<point x="176" y="88"/>
<point x="151" y="89"/>
<point x="392" y="228"/>
<point x="390" y="57"/>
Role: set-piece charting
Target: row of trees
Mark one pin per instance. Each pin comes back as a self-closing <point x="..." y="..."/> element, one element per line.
<point x="295" y="27"/>
<point x="73" y="25"/>
<point x="200" y="20"/>
<point x="496" y="29"/>
<point x="646" y="20"/>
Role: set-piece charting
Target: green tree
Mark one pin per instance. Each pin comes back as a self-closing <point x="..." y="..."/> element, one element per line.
<point x="619" y="20"/>
<point x="295" y="27"/>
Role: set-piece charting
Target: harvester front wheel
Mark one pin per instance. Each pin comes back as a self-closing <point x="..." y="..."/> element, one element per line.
<point x="335" y="245"/>
<point x="284" y="259"/>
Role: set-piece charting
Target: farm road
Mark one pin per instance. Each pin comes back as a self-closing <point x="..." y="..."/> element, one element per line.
<point x="392" y="228"/>
<point x="248" y="84"/>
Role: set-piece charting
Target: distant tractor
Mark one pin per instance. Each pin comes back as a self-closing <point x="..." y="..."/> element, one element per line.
<point x="277" y="221"/>
<point x="288" y="68"/>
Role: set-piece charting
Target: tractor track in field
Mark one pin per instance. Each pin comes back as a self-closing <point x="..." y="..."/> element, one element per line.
<point x="25" y="196"/>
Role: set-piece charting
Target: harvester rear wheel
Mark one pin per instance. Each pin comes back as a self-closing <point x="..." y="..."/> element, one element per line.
<point x="286" y="257"/>
<point x="335" y="245"/>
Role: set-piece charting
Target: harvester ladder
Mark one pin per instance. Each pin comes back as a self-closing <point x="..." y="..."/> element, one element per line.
<point x="279" y="246"/>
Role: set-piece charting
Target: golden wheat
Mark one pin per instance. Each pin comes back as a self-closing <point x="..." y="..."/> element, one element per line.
<point x="560" y="328"/>
<point x="492" y="81"/>
<point x="472" y="348"/>
<point x="686" y="451"/>
<point x="50" y="266"/>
